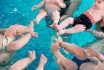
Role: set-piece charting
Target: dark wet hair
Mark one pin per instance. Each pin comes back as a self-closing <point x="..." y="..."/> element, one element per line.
<point x="102" y="29"/>
<point x="63" y="10"/>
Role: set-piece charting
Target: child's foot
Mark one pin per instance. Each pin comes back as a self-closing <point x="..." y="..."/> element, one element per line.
<point x="56" y="52"/>
<point x="34" y="34"/>
<point x="55" y="47"/>
<point x="43" y="59"/>
<point x="42" y="62"/>
<point x="31" y="27"/>
<point x="59" y="40"/>
<point x="32" y="55"/>
<point x="60" y="32"/>
<point x="36" y="21"/>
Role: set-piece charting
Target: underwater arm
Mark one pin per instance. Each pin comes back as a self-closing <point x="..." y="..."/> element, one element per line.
<point x="39" y="5"/>
<point x="98" y="34"/>
<point x="74" y="49"/>
<point x="92" y="53"/>
<point x="23" y="63"/>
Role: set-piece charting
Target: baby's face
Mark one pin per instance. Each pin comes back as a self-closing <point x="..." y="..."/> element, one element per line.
<point x="99" y="4"/>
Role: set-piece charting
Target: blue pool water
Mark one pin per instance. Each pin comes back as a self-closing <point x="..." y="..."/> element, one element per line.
<point x="19" y="11"/>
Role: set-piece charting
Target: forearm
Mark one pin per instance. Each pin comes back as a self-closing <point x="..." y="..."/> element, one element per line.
<point x="98" y="34"/>
<point x="21" y="64"/>
<point x="64" y="45"/>
<point x="70" y="47"/>
<point x="93" y="53"/>
<point x="72" y="30"/>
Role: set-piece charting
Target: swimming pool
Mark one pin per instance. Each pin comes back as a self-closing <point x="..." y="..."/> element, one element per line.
<point x="19" y="11"/>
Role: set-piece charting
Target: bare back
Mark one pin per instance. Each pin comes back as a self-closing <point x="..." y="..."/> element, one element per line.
<point x="96" y="14"/>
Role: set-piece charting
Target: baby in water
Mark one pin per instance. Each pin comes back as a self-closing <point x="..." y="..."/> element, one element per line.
<point x="49" y="8"/>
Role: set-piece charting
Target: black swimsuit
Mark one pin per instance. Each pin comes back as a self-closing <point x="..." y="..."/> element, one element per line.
<point x="84" y="20"/>
<point x="102" y="28"/>
<point x="79" y="62"/>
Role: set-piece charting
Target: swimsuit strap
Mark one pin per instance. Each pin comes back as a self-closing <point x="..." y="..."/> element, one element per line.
<point x="89" y="16"/>
<point x="4" y="43"/>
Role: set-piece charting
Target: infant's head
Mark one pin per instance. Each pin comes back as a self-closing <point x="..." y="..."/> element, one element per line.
<point x="99" y="4"/>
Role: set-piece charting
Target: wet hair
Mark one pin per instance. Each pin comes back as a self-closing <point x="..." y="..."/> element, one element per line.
<point x="102" y="29"/>
<point x="63" y="10"/>
<point x="99" y="28"/>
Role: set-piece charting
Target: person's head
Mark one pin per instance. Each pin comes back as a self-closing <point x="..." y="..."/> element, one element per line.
<point x="99" y="4"/>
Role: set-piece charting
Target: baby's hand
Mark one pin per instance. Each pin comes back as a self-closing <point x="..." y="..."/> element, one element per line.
<point x="61" y="4"/>
<point x="34" y="7"/>
<point x="32" y="55"/>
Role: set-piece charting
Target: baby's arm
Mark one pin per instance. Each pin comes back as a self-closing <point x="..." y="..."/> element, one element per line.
<point x="61" y="3"/>
<point x="23" y="63"/>
<point x="98" y="34"/>
<point x="39" y="5"/>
